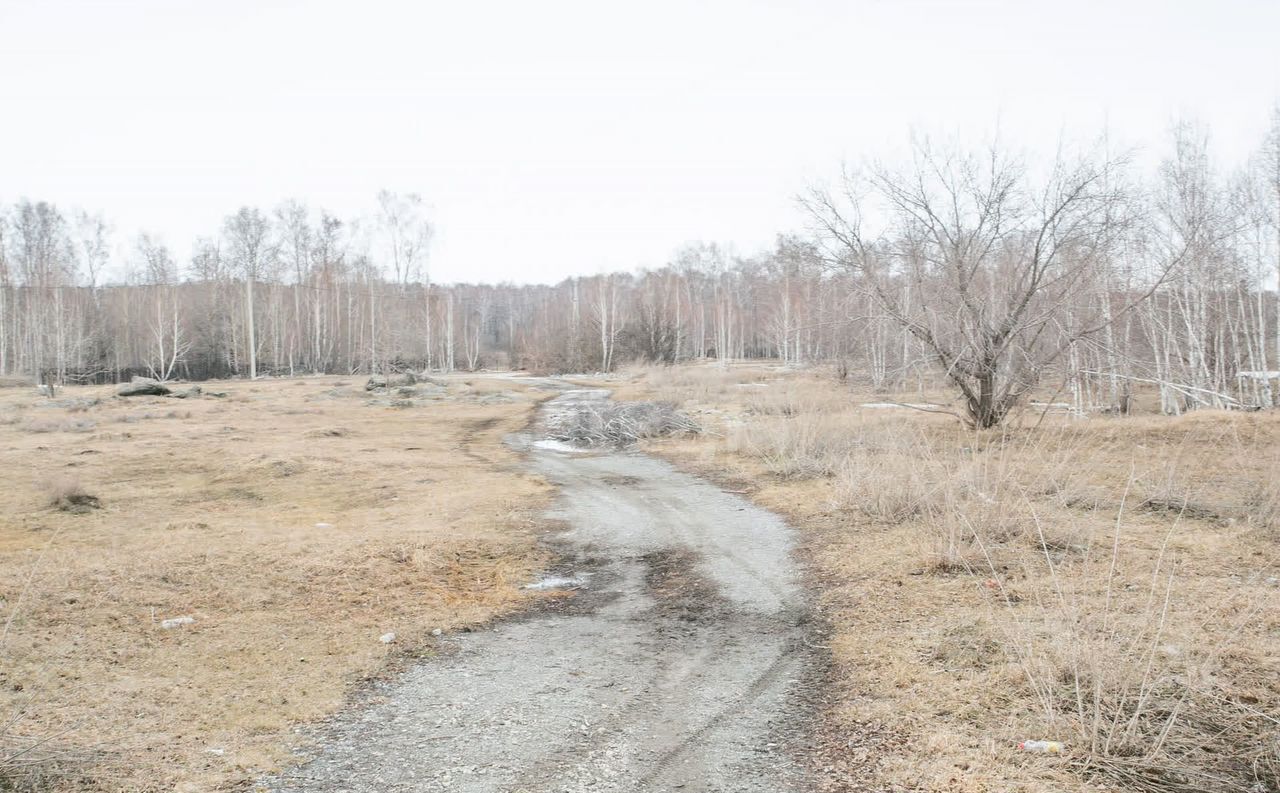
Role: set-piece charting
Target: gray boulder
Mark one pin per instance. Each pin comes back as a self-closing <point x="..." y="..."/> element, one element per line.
<point x="142" y="386"/>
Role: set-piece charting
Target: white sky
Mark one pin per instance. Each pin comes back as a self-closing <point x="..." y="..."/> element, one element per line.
<point x="558" y="138"/>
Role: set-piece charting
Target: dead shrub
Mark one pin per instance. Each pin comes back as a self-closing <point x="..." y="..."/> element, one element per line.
<point x="797" y="447"/>
<point x="65" y="493"/>
<point x="1118" y="670"/>
<point x="887" y="490"/>
<point x="31" y="765"/>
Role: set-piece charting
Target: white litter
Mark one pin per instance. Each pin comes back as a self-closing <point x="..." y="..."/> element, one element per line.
<point x="177" y="622"/>
<point x="324" y="525"/>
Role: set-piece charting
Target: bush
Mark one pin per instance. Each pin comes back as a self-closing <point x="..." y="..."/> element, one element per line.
<point x="66" y="493"/>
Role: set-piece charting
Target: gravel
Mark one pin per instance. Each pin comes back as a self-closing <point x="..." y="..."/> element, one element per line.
<point x="678" y="664"/>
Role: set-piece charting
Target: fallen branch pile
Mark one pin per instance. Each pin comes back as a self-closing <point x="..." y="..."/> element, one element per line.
<point x="620" y="423"/>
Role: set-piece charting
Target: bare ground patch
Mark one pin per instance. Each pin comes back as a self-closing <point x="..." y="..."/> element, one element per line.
<point x="681" y="592"/>
<point x="281" y="531"/>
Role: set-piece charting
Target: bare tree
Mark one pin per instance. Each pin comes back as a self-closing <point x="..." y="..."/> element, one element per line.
<point x="406" y="234"/>
<point x="992" y="256"/>
<point x="606" y="308"/>
<point x="250" y="248"/>
<point x="160" y="274"/>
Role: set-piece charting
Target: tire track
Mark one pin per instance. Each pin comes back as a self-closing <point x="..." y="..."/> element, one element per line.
<point x="676" y="663"/>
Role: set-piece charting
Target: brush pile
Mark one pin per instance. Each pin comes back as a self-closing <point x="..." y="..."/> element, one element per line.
<point x="620" y="423"/>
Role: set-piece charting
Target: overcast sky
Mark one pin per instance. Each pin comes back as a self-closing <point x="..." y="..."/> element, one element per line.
<point x="558" y="138"/>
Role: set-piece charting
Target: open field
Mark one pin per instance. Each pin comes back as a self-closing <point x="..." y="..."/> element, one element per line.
<point x="1110" y="583"/>
<point x="295" y="521"/>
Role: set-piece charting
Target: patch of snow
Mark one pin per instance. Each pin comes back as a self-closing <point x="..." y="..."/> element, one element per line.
<point x="551" y="445"/>
<point x="555" y="582"/>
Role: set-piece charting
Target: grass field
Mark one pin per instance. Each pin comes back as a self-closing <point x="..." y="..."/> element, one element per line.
<point x="296" y="522"/>
<point x="1109" y="583"/>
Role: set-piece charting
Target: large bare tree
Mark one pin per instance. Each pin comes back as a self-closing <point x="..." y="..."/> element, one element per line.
<point x="991" y="255"/>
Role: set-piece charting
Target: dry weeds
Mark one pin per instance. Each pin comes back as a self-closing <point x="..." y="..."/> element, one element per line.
<point x="295" y="521"/>
<point x="1107" y="582"/>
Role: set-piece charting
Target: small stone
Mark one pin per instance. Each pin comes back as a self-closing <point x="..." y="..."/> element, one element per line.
<point x="387" y="638"/>
<point x="324" y="525"/>
<point x="437" y="632"/>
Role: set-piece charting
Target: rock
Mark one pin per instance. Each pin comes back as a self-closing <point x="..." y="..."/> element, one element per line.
<point x="378" y="382"/>
<point x="142" y="386"/>
<point x="387" y="638"/>
<point x="177" y="622"/>
<point x="192" y="392"/>
<point x="437" y="632"/>
<point x="324" y="525"/>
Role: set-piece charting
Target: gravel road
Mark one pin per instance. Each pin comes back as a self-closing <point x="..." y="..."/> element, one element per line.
<point x="677" y="665"/>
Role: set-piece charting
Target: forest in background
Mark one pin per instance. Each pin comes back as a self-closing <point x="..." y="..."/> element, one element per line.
<point x="977" y="266"/>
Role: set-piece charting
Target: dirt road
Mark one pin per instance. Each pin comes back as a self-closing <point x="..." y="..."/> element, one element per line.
<point x="676" y="665"/>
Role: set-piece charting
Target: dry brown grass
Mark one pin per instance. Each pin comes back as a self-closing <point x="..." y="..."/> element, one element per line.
<point x="295" y="521"/>
<point x="1110" y="583"/>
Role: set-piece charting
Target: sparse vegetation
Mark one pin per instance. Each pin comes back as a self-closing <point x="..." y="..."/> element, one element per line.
<point x="292" y="550"/>
<point x="1109" y="583"/>
<point x="67" y="494"/>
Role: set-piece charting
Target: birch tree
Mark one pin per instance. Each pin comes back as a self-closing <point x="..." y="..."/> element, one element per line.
<point x="250" y="249"/>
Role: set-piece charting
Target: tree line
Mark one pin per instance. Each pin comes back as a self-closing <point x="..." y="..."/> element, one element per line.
<point x="993" y="271"/>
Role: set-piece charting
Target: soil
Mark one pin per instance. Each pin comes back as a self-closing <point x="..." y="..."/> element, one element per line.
<point x="678" y="662"/>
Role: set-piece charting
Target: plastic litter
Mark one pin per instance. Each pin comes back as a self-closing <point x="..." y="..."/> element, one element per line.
<point x="1041" y="747"/>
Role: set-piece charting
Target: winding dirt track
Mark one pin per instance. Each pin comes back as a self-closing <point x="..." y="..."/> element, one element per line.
<point x="676" y="666"/>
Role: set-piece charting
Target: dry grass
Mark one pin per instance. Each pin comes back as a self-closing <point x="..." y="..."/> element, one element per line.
<point x="294" y="521"/>
<point x="1109" y="583"/>
<point x="64" y="492"/>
